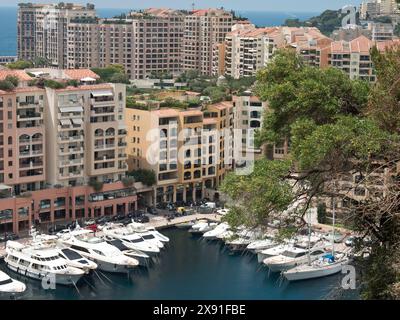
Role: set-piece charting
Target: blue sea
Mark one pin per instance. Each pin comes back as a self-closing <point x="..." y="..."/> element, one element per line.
<point x="8" y="23"/>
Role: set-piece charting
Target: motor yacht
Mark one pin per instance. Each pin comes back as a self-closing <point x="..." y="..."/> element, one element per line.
<point x="9" y="285"/>
<point x="133" y="240"/>
<point x="143" y="258"/>
<point x="260" y="245"/>
<point x="219" y="229"/>
<point x="202" y="227"/>
<point x="292" y="257"/>
<point x="107" y="257"/>
<point x="40" y="263"/>
<point x="75" y="259"/>
<point x="142" y="228"/>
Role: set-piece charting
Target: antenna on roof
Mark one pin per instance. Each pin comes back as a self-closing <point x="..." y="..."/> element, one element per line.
<point x="193" y="5"/>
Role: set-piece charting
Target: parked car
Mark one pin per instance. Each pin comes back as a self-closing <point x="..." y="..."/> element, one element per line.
<point x="8" y="236"/>
<point x="152" y="210"/>
<point x="103" y="219"/>
<point x="142" y="219"/>
<point x="222" y="212"/>
<point x="57" y="228"/>
<point x="119" y="217"/>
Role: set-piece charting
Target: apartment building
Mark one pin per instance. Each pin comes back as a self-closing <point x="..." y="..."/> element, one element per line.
<point x="374" y="8"/>
<point x="202" y="30"/>
<point x="308" y="42"/>
<point x="43" y="31"/>
<point x="157" y="42"/>
<point x="63" y="152"/>
<point x="354" y="57"/>
<point x="381" y="31"/>
<point x="189" y="150"/>
<point x="249" y="49"/>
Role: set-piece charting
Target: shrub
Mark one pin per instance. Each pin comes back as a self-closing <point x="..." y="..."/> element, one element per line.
<point x="147" y="177"/>
<point x="96" y="185"/>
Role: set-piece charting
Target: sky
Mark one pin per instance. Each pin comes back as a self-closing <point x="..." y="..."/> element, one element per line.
<point x="243" y="5"/>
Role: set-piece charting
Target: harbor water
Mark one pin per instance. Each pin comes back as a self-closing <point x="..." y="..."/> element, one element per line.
<point x="190" y="268"/>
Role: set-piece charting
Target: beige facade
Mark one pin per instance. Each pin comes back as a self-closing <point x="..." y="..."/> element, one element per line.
<point x="53" y="142"/>
<point x="204" y="29"/>
<point x="187" y="149"/>
<point x="86" y="134"/>
<point x="43" y="31"/>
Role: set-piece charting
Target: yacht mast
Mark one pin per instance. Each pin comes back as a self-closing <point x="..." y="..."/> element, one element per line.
<point x="309" y="236"/>
<point x="333" y="226"/>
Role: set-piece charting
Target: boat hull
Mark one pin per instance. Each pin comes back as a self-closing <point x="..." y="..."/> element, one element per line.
<point x="314" y="273"/>
<point x="62" y="279"/>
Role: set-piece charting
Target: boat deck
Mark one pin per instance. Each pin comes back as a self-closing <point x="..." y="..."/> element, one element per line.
<point x="155" y="221"/>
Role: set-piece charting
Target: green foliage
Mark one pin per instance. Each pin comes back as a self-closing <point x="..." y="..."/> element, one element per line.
<point x="6" y="85"/>
<point x="128" y="181"/>
<point x="259" y="195"/>
<point x="217" y="94"/>
<point x="384" y="100"/>
<point x="147" y="177"/>
<point x="173" y="103"/>
<point x="326" y="22"/>
<point x="296" y="91"/>
<point x="96" y="184"/>
<point x="316" y="146"/>
<point x="20" y="65"/>
<point x="54" y="84"/>
<point x="114" y="73"/>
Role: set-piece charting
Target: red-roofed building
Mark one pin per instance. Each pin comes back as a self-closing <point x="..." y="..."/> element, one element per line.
<point x="353" y="57"/>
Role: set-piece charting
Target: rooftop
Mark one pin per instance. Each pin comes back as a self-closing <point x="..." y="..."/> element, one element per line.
<point x="20" y="74"/>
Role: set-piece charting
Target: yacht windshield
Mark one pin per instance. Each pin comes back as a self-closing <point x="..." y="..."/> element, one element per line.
<point x="148" y="237"/>
<point x="7" y="281"/>
<point x="71" y="255"/>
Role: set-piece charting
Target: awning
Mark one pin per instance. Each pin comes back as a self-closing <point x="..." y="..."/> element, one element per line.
<point x="87" y="79"/>
<point x="77" y="121"/>
<point x="65" y="122"/>
<point x="71" y="109"/>
<point x="102" y="94"/>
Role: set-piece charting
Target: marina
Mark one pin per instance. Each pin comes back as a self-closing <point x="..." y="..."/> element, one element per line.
<point x="190" y="268"/>
<point x="190" y="249"/>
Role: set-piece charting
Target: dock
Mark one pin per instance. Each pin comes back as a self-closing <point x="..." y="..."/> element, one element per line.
<point x="155" y="221"/>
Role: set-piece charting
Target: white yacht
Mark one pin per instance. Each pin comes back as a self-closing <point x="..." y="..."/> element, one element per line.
<point x="75" y="259"/>
<point x="260" y="245"/>
<point x="40" y="263"/>
<point x="143" y="258"/>
<point x="219" y="229"/>
<point x="244" y="238"/>
<point x="202" y="227"/>
<point x="107" y="257"/>
<point x="142" y="228"/>
<point x="133" y="240"/>
<point x="72" y="257"/>
<point x="273" y="251"/>
<point x="10" y="285"/>
<point x="225" y="235"/>
<point x="292" y="257"/>
<point x="323" y="267"/>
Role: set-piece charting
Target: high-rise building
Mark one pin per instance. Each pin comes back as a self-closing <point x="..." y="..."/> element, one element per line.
<point x="43" y="30"/>
<point x="204" y="29"/>
<point x="62" y="150"/>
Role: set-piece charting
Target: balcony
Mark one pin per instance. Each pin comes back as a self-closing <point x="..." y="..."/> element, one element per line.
<point x="104" y="158"/>
<point x="71" y="162"/>
<point x="30" y="153"/>
<point x="31" y="165"/>
<point x="104" y="146"/>
<point x="68" y="151"/>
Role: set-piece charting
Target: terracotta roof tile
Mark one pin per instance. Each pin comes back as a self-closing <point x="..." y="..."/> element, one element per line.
<point x="20" y="74"/>
<point x="78" y="74"/>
